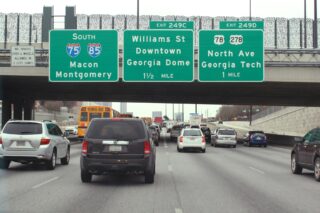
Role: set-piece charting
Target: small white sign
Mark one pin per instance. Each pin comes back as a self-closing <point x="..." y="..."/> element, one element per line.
<point x="23" y="56"/>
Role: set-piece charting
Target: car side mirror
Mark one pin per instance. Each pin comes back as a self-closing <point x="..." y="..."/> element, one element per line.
<point x="65" y="134"/>
<point x="298" y="139"/>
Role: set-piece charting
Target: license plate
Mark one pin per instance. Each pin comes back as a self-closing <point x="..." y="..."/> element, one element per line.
<point x="115" y="148"/>
<point x="21" y="143"/>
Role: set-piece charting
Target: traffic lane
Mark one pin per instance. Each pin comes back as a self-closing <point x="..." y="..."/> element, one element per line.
<point x="207" y="186"/>
<point x="268" y="183"/>
<point x="105" y="194"/>
<point x="19" y="178"/>
<point x="268" y="179"/>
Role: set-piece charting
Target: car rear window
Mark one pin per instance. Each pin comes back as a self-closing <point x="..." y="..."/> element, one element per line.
<point x="226" y="132"/>
<point x="257" y="132"/>
<point x="93" y="115"/>
<point x="24" y="128"/>
<point x="191" y="133"/>
<point x="176" y="128"/>
<point x="116" y="129"/>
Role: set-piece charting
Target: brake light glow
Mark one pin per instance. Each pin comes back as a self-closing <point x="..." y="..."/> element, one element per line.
<point x="84" y="147"/>
<point x="147" y="147"/>
<point x="181" y="139"/>
<point x="0" y="140"/>
<point x="44" y="141"/>
<point x="203" y="139"/>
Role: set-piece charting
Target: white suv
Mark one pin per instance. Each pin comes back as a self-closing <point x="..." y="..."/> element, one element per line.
<point x="33" y="141"/>
<point x="191" y="138"/>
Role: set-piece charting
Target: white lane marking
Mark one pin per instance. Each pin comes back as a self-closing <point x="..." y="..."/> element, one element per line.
<point x="169" y="168"/>
<point x="177" y="210"/>
<point x="257" y="170"/>
<point x="165" y="145"/>
<point x="45" y="182"/>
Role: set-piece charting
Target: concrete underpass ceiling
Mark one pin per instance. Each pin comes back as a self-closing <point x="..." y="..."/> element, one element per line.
<point x="266" y="93"/>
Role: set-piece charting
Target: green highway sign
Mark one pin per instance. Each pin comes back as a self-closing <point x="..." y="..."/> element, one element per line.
<point x="242" y="25"/>
<point x="231" y="56"/>
<point x="158" y="56"/>
<point x="83" y="56"/>
<point x="184" y="25"/>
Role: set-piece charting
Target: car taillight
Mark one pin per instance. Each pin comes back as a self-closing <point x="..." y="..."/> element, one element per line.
<point x="44" y="141"/>
<point x="0" y="140"/>
<point x="147" y="147"/>
<point x="84" y="147"/>
<point x="203" y="139"/>
<point x="181" y="139"/>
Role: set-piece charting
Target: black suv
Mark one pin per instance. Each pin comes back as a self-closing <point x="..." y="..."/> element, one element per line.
<point x="118" y="145"/>
<point x="306" y="153"/>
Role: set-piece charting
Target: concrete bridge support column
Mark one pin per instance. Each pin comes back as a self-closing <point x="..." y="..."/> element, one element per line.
<point x="17" y="110"/>
<point x="6" y="112"/>
<point x="27" y="109"/>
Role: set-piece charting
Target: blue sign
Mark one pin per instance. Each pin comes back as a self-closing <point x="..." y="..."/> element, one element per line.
<point x="73" y="50"/>
<point x="94" y="49"/>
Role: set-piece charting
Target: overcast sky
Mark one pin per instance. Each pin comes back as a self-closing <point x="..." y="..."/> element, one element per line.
<point x="237" y="8"/>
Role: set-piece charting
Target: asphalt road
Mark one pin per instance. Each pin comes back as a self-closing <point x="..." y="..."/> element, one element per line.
<point x="244" y="179"/>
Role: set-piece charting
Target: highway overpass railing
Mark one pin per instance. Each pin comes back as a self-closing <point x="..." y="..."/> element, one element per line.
<point x="33" y="29"/>
<point x="273" y="57"/>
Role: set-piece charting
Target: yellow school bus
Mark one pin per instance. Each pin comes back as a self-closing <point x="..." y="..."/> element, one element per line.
<point x="87" y="113"/>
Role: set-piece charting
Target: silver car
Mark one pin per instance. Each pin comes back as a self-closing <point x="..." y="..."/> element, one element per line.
<point x="224" y="137"/>
<point x="33" y="141"/>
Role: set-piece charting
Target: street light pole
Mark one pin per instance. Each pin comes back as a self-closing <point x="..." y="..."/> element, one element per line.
<point x="250" y="10"/>
<point x="138" y="8"/>
<point x="305" y="23"/>
<point x="315" y="26"/>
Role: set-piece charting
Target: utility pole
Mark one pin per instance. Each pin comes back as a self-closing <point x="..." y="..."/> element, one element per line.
<point x="172" y="111"/>
<point x="182" y="112"/>
<point x="250" y="115"/>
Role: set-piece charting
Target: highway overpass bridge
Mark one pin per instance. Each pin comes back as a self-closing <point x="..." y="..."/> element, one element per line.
<point x="292" y="75"/>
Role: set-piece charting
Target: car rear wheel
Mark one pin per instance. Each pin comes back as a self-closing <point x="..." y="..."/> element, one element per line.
<point x="249" y="144"/>
<point x="178" y="149"/>
<point x="203" y="150"/>
<point x="66" y="159"/>
<point x="149" y="176"/>
<point x="4" y="164"/>
<point x="265" y="145"/>
<point x="51" y="164"/>
<point x="317" y="169"/>
<point x="234" y="146"/>
<point x="86" y="177"/>
<point x="295" y="167"/>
